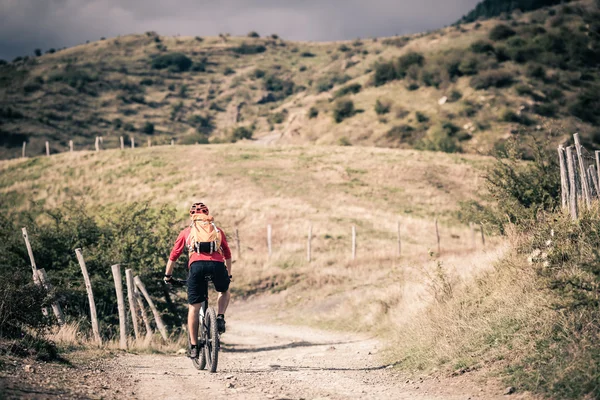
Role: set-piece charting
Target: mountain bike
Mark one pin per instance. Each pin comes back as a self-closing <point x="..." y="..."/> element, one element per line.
<point x="209" y="339"/>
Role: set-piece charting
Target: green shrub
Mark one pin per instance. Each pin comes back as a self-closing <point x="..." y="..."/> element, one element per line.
<point x="501" y="32"/>
<point x="73" y="76"/>
<point x="343" y="109"/>
<point x="241" y="132"/>
<point x="253" y="34"/>
<point x="454" y="95"/>
<point x="501" y="54"/>
<point x="422" y="118"/>
<point x="228" y="71"/>
<point x="313" y="112"/>
<point x="402" y="133"/>
<point x="382" y="106"/>
<point x="307" y="54"/>
<point x="274" y="83"/>
<point x="204" y="123"/>
<point x="175" y="62"/>
<point x="518" y="191"/>
<point x="441" y="137"/>
<point x="546" y="109"/>
<point x="344" y="141"/>
<point x="492" y="78"/>
<point x="258" y="73"/>
<point x="148" y="128"/>
<point x="349" y="89"/>
<point x="248" y="49"/>
<point x="468" y="66"/>
<point x="328" y="82"/>
<point x="587" y="106"/>
<point x="519" y="118"/>
<point x="384" y="72"/>
<point x="278" y="117"/>
<point x="406" y="61"/>
<point x="343" y="48"/>
<point x="482" y="46"/>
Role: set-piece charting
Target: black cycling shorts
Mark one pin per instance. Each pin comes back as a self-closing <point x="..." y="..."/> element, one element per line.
<point x="196" y="284"/>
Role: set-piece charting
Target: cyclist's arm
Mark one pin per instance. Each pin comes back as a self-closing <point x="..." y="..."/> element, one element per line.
<point x="226" y="253"/>
<point x="170" y="266"/>
<point x="228" y="266"/>
<point x="175" y="253"/>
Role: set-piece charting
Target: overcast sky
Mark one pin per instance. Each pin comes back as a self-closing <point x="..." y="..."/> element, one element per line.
<point x="29" y="24"/>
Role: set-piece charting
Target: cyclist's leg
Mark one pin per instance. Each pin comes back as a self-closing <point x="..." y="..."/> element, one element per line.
<point x="221" y="281"/>
<point x="223" y="302"/>
<point x="193" y="321"/>
<point x="196" y="296"/>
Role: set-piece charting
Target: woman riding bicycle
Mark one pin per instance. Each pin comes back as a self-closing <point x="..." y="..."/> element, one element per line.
<point x="209" y="254"/>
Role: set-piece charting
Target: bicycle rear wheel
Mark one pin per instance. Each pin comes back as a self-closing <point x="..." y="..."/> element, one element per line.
<point x="200" y="362"/>
<point x="211" y="347"/>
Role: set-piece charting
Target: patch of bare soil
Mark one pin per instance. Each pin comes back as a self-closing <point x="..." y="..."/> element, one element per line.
<point x="91" y="374"/>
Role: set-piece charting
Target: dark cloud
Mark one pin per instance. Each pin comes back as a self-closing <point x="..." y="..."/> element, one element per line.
<point x="29" y="24"/>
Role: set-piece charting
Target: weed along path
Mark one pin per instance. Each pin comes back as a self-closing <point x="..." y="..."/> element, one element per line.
<point x="268" y="361"/>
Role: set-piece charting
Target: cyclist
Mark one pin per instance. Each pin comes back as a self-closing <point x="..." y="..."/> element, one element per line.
<point x="209" y="254"/>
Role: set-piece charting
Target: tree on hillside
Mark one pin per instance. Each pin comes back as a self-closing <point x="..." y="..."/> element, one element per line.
<point x="37" y="52"/>
<point x="493" y="8"/>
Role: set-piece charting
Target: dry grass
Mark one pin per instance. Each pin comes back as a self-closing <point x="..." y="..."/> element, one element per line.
<point x="71" y="336"/>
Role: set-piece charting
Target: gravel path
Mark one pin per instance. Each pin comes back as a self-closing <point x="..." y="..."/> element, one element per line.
<point x="289" y="362"/>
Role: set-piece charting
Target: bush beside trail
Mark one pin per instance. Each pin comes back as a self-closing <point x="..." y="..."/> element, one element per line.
<point x="136" y="235"/>
<point x="533" y="319"/>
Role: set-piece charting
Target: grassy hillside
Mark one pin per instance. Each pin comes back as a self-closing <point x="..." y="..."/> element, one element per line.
<point x="533" y="74"/>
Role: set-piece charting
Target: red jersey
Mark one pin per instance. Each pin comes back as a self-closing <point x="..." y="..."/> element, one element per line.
<point x="180" y="246"/>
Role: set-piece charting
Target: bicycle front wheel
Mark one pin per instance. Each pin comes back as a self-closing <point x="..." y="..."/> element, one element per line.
<point x="211" y="348"/>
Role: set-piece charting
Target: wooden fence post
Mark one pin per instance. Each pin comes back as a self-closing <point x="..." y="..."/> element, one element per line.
<point x="172" y="142"/>
<point x="149" y="142"/>
<point x="308" y="244"/>
<point x="353" y="242"/>
<point x="88" y="288"/>
<point x="157" y="318"/>
<point x="71" y="146"/>
<point x="399" y="239"/>
<point x="132" y="142"/>
<point x="597" y="153"/>
<point x="472" y="230"/>
<point x="130" y="297"/>
<point x="97" y="144"/>
<point x="23" y="152"/>
<point x="594" y="179"/>
<point x="34" y="269"/>
<point x="437" y="235"/>
<point x="122" y="142"/>
<point x="47" y="148"/>
<point x="564" y="185"/>
<point x="482" y="234"/>
<point x="573" y="209"/>
<point x="140" y="303"/>
<point x="118" y="279"/>
<point x="582" y="171"/>
<point x="56" y="308"/>
<point x="238" y="247"/>
<point x="269" y="240"/>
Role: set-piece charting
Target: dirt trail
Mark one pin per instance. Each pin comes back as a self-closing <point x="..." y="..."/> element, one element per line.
<point x="261" y="361"/>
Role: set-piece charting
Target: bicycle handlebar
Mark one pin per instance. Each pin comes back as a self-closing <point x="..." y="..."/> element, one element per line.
<point x="177" y="282"/>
